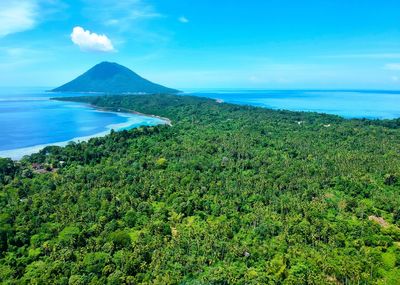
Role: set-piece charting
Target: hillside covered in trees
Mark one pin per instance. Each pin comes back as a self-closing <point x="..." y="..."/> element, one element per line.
<point x="226" y="195"/>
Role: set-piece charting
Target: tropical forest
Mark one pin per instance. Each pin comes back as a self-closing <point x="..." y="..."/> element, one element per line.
<point x="221" y="194"/>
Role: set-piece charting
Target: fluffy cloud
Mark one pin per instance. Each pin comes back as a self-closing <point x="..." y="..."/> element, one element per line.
<point x="183" y="20"/>
<point x="89" y="41"/>
<point x="17" y="16"/>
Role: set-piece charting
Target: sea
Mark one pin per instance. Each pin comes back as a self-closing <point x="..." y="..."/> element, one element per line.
<point x="368" y="104"/>
<point x="29" y="120"/>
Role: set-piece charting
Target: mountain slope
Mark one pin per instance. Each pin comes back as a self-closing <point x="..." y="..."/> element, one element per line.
<point x="108" y="77"/>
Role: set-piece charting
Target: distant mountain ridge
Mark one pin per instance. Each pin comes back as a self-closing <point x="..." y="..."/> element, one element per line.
<point x="110" y="77"/>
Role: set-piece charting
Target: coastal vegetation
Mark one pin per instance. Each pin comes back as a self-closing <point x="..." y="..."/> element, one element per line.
<point x="226" y="195"/>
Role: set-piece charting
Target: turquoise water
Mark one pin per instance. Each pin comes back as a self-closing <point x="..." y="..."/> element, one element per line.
<point x="348" y="104"/>
<point x="29" y="121"/>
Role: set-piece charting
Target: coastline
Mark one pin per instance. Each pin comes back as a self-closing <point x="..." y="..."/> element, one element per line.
<point x="128" y="111"/>
<point x="116" y="110"/>
<point x="132" y="122"/>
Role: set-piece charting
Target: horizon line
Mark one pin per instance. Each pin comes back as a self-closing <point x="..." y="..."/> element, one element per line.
<point x="191" y="89"/>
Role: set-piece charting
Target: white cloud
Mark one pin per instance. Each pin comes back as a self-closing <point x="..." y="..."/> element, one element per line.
<point x="89" y="41"/>
<point x="395" y="78"/>
<point x="120" y="13"/>
<point x="183" y="19"/>
<point x="392" y="66"/>
<point x="127" y="19"/>
<point x="17" y="16"/>
<point x="23" y="15"/>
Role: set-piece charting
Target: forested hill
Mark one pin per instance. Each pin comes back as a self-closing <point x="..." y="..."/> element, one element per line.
<point x="227" y="195"/>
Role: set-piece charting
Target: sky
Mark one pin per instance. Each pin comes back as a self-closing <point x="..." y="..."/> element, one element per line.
<point x="260" y="44"/>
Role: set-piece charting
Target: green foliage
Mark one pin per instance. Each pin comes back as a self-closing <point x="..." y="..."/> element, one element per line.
<point x="69" y="235"/>
<point x="7" y="170"/>
<point x="226" y="195"/>
<point x="94" y="263"/>
<point x="161" y="162"/>
<point x="120" y="239"/>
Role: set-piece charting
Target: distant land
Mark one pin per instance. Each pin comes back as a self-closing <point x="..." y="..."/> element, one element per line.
<point x="109" y="77"/>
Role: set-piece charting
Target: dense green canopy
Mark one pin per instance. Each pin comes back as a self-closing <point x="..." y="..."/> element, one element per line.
<point x="226" y="195"/>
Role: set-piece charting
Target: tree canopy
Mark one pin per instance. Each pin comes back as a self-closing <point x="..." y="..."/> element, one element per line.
<point x="226" y="195"/>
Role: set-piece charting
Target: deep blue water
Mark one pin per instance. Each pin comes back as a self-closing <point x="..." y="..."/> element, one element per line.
<point x="348" y="104"/>
<point x="28" y="119"/>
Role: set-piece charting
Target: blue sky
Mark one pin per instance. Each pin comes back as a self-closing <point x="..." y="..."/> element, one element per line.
<point x="269" y="44"/>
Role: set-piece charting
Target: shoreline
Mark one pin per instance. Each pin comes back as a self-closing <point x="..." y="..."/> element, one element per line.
<point x="128" y="111"/>
<point x="118" y="110"/>
<point x="132" y="122"/>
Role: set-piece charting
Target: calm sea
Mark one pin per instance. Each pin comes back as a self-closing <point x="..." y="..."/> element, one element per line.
<point x="348" y="104"/>
<point x="29" y="120"/>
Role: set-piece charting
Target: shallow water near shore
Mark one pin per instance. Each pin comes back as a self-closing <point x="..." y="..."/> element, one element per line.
<point x="29" y="121"/>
